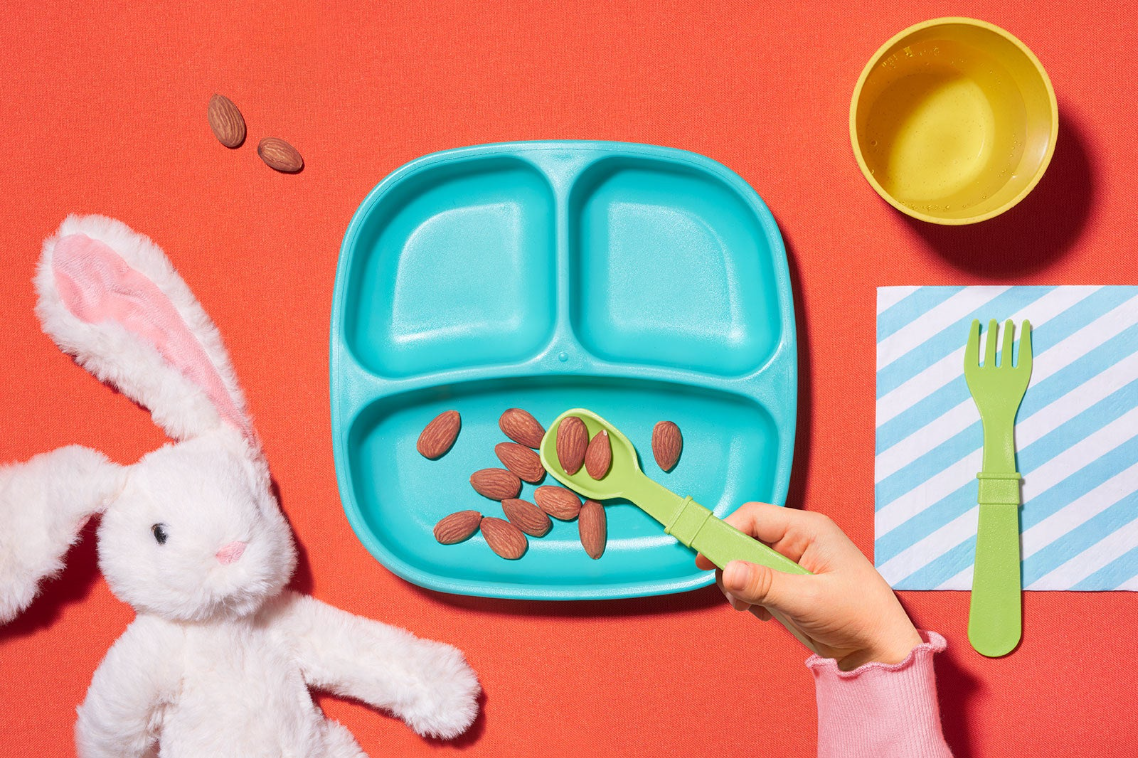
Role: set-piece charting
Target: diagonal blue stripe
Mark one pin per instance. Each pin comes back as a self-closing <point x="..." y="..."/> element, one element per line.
<point x="951" y="506"/>
<point x="1080" y="483"/>
<point x="1078" y="373"/>
<point x="942" y="569"/>
<point x="921" y="413"/>
<point x="1038" y="396"/>
<point x="1062" y="438"/>
<point x="905" y="310"/>
<point x="960" y="500"/>
<point x="1089" y="533"/>
<point x="1044" y="336"/>
<point x="1122" y="569"/>
<point x="931" y="463"/>
<point x="953" y="336"/>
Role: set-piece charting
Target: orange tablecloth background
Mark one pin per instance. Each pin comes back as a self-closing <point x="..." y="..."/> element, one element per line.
<point x="102" y="109"/>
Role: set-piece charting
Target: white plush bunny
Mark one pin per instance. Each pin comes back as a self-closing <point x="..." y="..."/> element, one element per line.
<point x="220" y="657"/>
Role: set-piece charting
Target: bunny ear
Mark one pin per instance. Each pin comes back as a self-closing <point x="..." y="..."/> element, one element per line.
<point x="110" y="297"/>
<point x="44" y="504"/>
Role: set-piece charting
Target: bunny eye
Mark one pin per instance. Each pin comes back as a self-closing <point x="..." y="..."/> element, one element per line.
<point x="160" y="535"/>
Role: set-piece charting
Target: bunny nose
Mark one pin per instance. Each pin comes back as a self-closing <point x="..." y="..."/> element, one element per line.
<point x="231" y="552"/>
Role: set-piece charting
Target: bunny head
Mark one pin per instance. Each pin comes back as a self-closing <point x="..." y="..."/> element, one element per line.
<point x="190" y="532"/>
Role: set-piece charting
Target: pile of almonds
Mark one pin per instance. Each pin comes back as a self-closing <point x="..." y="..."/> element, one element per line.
<point x="508" y="537"/>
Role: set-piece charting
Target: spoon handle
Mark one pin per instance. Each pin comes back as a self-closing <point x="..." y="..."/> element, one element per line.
<point x="719" y="542"/>
<point x="722" y="543"/>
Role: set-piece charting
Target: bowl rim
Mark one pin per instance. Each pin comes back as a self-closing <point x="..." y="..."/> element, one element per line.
<point x="947" y="21"/>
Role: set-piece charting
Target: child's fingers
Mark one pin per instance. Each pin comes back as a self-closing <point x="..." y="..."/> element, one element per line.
<point x="787" y="530"/>
<point x="763" y="521"/>
<point x="793" y="594"/>
<point x="761" y="613"/>
<point x="702" y="563"/>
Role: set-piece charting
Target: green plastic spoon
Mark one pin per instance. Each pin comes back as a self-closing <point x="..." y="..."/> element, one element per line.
<point x="683" y="518"/>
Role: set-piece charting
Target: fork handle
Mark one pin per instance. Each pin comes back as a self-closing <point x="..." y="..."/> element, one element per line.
<point x="995" y="614"/>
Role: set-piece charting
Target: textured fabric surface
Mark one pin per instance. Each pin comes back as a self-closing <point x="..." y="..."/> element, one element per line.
<point x="859" y="711"/>
<point x="103" y="109"/>
<point x="1075" y="435"/>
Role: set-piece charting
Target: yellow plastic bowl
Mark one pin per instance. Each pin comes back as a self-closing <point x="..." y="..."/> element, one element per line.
<point x="953" y="121"/>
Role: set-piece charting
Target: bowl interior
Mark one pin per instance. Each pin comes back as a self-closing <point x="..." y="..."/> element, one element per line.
<point x="954" y="121"/>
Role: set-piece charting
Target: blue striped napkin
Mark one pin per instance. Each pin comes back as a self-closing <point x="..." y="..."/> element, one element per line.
<point x="1076" y="436"/>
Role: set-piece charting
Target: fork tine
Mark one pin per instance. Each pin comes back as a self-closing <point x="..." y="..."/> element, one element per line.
<point x="990" y="344"/>
<point x="1025" y="347"/>
<point x="1009" y="340"/>
<point x="972" y="349"/>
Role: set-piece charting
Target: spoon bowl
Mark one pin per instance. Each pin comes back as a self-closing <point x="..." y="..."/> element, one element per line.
<point x="622" y="473"/>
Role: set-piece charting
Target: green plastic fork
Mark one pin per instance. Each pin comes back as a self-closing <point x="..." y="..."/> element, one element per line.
<point x="995" y="616"/>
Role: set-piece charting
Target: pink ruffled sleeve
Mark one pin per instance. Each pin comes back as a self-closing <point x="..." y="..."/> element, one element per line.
<point x="880" y="710"/>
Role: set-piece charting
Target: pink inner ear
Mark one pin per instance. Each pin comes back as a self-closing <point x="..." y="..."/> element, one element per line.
<point x="97" y="285"/>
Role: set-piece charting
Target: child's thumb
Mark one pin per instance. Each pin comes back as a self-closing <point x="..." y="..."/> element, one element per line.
<point x="760" y="585"/>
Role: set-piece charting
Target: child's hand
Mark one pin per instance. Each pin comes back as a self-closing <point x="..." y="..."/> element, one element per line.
<point x="846" y="608"/>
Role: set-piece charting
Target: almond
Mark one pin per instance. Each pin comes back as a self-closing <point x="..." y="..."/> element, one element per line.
<point x="593" y="528"/>
<point x="457" y="526"/>
<point x="438" y="436"/>
<point x="527" y="517"/>
<point x="495" y="483"/>
<point x="504" y="538"/>
<point x="226" y="121"/>
<point x="572" y="441"/>
<point x="558" y="502"/>
<point x="522" y="428"/>
<point x="280" y="155"/>
<point x="598" y="456"/>
<point x="521" y="461"/>
<point x="667" y="444"/>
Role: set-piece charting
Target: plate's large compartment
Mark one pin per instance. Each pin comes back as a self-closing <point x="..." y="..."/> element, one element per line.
<point x="644" y="283"/>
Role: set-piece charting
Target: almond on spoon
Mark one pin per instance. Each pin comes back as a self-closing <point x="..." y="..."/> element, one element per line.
<point x="598" y="456"/>
<point x="572" y="442"/>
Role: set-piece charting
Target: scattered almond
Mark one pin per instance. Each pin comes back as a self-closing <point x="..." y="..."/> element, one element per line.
<point x="572" y="441"/>
<point x="667" y="444"/>
<point x="521" y="461"/>
<point x="504" y="538"/>
<point x="279" y="155"/>
<point x="495" y="483"/>
<point x="527" y="517"/>
<point x="457" y="526"/>
<point x="522" y="427"/>
<point x="438" y="436"/>
<point x="558" y="502"/>
<point x="226" y="122"/>
<point x="598" y="456"/>
<point x="593" y="528"/>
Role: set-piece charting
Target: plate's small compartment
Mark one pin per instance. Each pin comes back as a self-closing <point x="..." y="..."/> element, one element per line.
<point x="671" y="266"/>
<point x="454" y="266"/>
<point x="731" y="450"/>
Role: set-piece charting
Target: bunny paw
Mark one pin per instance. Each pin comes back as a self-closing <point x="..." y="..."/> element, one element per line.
<point x="448" y="702"/>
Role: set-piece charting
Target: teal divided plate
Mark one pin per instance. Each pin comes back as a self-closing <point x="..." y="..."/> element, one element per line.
<point x="641" y="282"/>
